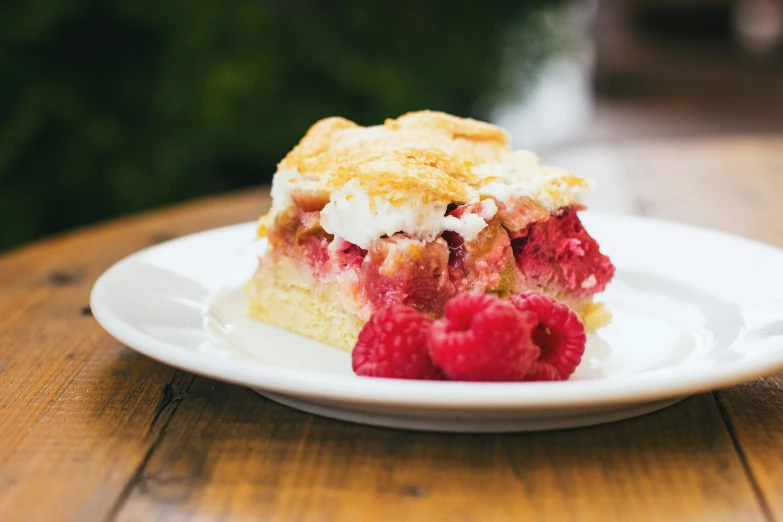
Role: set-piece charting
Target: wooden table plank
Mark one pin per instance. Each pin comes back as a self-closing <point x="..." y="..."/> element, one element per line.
<point x="231" y="455"/>
<point x="78" y="411"/>
<point x="734" y="185"/>
<point x="755" y="416"/>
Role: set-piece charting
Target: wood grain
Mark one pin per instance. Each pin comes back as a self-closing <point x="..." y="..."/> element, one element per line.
<point x="91" y="431"/>
<point x="78" y="411"/>
<point x="734" y="185"/>
<point x="229" y="454"/>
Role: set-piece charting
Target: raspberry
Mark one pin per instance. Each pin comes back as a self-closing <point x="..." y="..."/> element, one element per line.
<point x="482" y="338"/>
<point x="559" y="335"/>
<point x="393" y="344"/>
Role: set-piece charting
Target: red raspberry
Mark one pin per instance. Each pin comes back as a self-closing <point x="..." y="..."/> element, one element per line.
<point x="393" y="343"/>
<point x="559" y="334"/>
<point x="482" y="338"/>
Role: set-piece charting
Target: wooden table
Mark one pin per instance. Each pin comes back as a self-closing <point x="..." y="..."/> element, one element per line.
<point x="89" y="430"/>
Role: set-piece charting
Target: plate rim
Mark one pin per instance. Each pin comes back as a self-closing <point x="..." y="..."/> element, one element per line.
<point x="435" y="394"/>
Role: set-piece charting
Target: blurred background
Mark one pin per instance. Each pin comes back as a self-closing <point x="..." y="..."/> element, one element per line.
<point x="112" y="107"/>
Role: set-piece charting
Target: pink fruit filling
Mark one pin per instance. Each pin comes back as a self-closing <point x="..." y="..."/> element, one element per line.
<point x="297" y="234"/>
<point x="347" y="255"/>
<point x="479" y="265"/>
<point x="401" y="270"/>
<point x="521" y="248"/>
<point x="560" y="256"/>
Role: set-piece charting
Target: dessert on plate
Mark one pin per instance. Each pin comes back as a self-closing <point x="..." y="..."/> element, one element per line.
<point x="416" y="211"/>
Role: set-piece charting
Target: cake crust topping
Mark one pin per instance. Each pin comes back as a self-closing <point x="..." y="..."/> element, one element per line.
<point x="401" y="176"/>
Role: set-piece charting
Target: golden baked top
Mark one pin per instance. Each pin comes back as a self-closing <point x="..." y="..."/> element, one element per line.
<point x="400" y="176"/>
<point x="429" y="137"/>
<point x="427" y="151"/>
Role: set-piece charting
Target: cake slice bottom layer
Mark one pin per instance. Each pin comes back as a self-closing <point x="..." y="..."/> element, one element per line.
<point x="282" y="294"/>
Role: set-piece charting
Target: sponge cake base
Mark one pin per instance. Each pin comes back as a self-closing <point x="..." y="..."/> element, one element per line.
<point x="281" y="295"/>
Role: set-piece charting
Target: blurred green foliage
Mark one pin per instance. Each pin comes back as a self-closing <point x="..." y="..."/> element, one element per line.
<point x="114" y="106"/>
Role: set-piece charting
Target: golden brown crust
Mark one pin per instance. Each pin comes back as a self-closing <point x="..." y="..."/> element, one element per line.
<point x="315" y="143"/>
<point x="419" y="163"/>
<point x="419" y="151"/>
<point x="464" y="128"/>
<point x="397" y="177"/>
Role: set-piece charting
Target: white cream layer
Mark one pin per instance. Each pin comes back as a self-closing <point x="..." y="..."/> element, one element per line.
<point x="355" y="216"/>
<point x="522" y="175"/>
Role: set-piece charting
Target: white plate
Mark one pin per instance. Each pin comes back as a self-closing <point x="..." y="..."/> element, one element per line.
<point x="694" y="310"/>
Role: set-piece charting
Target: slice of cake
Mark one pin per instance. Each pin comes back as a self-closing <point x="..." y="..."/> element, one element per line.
<point x="415" y="211"/>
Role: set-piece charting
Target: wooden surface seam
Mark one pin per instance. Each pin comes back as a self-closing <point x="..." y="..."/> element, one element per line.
<point x="170" y="398"/>
<point x="757" y="491"/>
